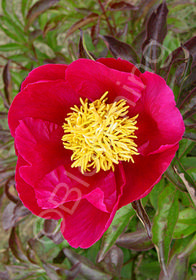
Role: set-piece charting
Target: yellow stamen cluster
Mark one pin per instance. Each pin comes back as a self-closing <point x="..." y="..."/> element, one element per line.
<point x="100" y="134"/>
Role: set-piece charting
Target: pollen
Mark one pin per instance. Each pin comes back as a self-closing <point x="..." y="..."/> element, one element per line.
<point x="100" y="134"/>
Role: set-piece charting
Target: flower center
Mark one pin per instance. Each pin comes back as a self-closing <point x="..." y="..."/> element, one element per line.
<point x="100" y="134"/>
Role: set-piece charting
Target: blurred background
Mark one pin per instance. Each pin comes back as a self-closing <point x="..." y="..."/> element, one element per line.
<point x="157" y="36"/>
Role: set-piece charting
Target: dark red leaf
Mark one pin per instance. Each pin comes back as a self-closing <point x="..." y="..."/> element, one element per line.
<point x="8" y="216"/>
<point x="190" y="113"/>
<point x="95" y="32"/>
<point x="87" y="268"/>
<point x="191" y="47"/>
<point x="189" y="98"/>
<point x="138" y="241"/>
<point x="10" y="196"/>
<point x="156" y="32"/>
<point x="20" y="211"/>
<point x="142" y="215"/>
<point x="53" y="24"/>
<point x="37" y="9"/>
<point x="122" y="6"/>
<point x="52" y="230"/>
<point x="113" y="261"/>
<point x="179" y="56"/>
<point x="50" y="271"/>
<point x="58" y="59"/>
<point x="34" y="34"/>
<point x="32" y="256"/>
<point x="70" y="274"/>
<point x="120" y="49"/>
<point x="4" y="275"/>
<point x="176" y="268"/>
<point x="12" y="214"/>
<point x="144" y="8"/>
<point x="188" y="84"/>
<point x="23" y="271"/>
<point x="16" y="245"/>
<point x="7" y="82"/>
<point x="82" y="22"/>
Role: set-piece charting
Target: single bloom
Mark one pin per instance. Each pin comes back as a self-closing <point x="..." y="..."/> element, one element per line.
<point x="90" y="138"/>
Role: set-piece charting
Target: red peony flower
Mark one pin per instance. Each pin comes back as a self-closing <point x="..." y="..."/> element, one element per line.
<point x="91" y="137"/>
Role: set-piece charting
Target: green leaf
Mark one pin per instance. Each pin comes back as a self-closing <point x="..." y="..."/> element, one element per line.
<point x="25" y="4"/>
<point x="119" y="223"/>
<point x="11" y="47"/>
<point x="7" y="32"/>
<point x="186" y="223"/>
<point x="164" y="223"/>
<point x="185" y="147"/>
<point x="13" y="27"/>
<point x="3" y="6"/>
<point x="154" y="194"/>
<point x="149" y="269"/>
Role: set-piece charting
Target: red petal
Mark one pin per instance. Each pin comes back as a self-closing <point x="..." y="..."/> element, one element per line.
<point x="103" y="196"/>
<point x="92" y="79"/>
<point x="39" y="143"/>
<point x="120" y="65"/>
<point x="27" y="196"/>
<point x="60" y="186"/>
<point x="145" y="173"/>
<point x="50" y="101"/>
<point x="159" y="122"/>
<point x="48" y="72"/>
<point x="85" y="224"/>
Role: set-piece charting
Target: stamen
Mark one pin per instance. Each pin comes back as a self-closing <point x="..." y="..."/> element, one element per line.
<point x="100" y="134"/>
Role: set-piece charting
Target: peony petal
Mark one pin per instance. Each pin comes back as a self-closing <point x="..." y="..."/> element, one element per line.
<point x="92" y="79"/>
<point x="39" y="143"/>
<point x="104" y="196"/>
<point x="56" y="188"/>
<point x="60" y="186"/>
<point x="86" y="224"/>
<point x="144" y="173"/>
<point x="96" y="198"/>
<point x="27" y="196"/>
<point x="159" y="122"/>
<point x="50" y="101"/>
<point x="120" y="65"/>
<point x="48" y="72"/>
